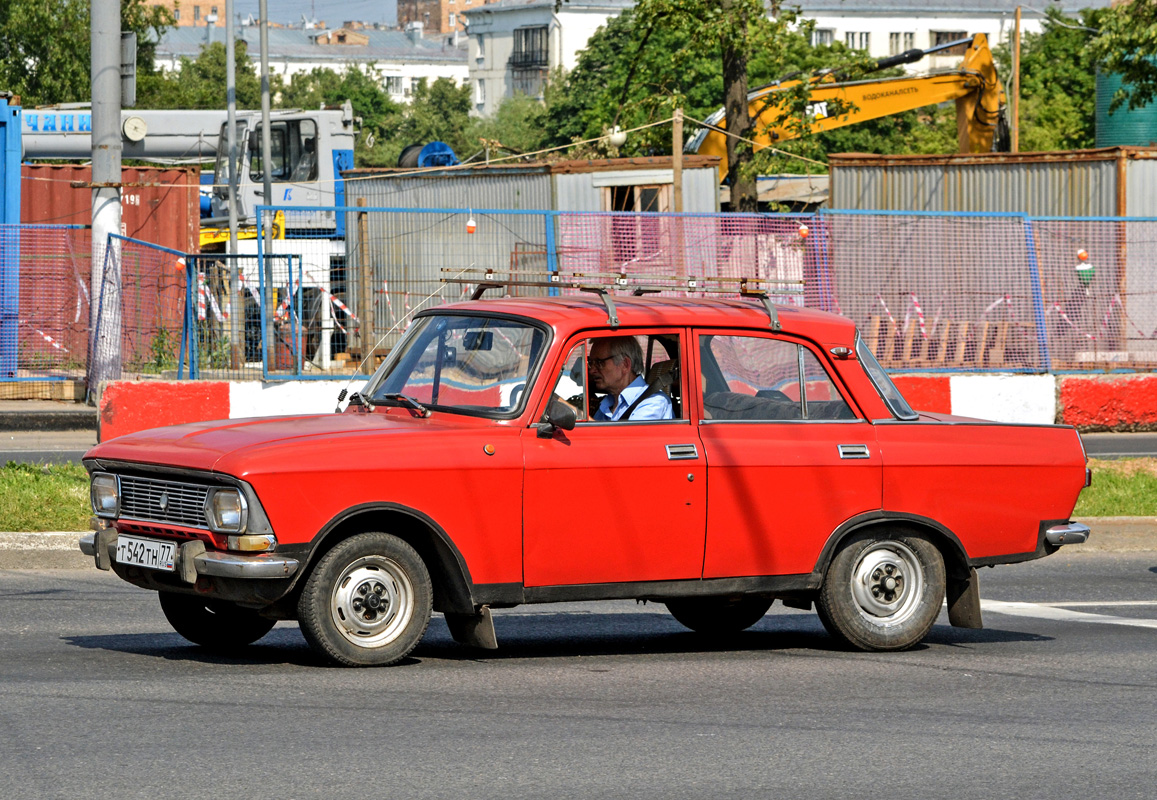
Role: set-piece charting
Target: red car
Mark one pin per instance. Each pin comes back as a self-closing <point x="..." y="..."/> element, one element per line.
<point x="775" y="459"/>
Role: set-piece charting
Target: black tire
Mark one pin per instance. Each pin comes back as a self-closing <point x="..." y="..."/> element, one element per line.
<point x="718" y="616"/>
<point x="367" y="602"/>
<point x="216" y="625"/>
<point x="883" y="592"/>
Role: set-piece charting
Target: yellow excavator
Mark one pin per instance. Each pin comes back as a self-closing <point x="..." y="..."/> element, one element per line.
<point x="974" y="85"/>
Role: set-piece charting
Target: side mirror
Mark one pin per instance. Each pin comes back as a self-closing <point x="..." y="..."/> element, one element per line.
<point x="558" y="416"/>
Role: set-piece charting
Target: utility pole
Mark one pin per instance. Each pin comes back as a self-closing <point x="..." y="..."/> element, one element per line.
<point x="1016" y="84"/>
<point x="267" y="183"/>
<point x="104" y="357"/>
<point x="677" y="158"/>
<point x="236" y="302"/>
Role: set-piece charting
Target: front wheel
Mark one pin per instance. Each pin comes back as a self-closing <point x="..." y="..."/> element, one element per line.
<point x="368" y="601"/>
<point x="216" y="625"/>
<point x="718" y="616"/>
<point x="882" y="593"/>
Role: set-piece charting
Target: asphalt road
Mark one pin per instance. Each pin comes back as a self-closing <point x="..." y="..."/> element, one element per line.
<point x="1054" y="699"/>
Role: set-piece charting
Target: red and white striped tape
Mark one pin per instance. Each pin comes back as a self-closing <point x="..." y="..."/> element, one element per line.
<point x="46" y="337"/>
<point x="919" y="314"/>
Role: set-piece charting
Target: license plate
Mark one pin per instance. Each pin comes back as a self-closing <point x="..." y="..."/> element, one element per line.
<point x="145" y="552"/>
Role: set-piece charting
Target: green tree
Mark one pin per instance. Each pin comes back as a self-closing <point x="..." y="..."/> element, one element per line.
<point x="1057" y="82"/>
<point x="519" y="125"/>
<point x="1127" y="45"/>
<point x="45" y="46"/>
<point x="200" y="82"/>
<point x="662" y="55"/>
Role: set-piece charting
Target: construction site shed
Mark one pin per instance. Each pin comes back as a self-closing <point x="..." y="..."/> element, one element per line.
<point x="1106" y="182"/>
<point x="620" y="184"/>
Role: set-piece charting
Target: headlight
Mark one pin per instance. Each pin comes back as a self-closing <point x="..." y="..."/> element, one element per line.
<point x="226" y="511"/>
<point x="106" y="495"/>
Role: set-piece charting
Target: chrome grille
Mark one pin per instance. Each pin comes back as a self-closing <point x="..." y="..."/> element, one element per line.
<point x="143" y="498"/>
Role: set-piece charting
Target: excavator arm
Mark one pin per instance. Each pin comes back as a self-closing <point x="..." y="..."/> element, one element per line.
<point x="973" y="85"/>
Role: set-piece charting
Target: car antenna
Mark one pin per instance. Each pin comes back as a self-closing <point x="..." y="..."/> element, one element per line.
<point x="344" y="391"/>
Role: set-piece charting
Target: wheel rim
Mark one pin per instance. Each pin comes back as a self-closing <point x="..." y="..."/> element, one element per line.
<point x="372" y="601"/>
<point x="887" y="583"/>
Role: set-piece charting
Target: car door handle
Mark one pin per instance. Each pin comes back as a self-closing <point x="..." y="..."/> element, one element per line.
<point x="682" y="452"/>
<point x="854" y="451"/>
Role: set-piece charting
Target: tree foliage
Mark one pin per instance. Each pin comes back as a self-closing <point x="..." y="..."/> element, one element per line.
<point x="200" y="83"/>
<point x="45" y="46"/>
<point x="1057" y="82"/>
<point x="1126" y="44"/>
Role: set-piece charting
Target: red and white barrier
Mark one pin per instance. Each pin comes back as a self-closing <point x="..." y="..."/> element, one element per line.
<point x="1091" y="403"/>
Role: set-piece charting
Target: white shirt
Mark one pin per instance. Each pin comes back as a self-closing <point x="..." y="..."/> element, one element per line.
<point x="657" y="406"/>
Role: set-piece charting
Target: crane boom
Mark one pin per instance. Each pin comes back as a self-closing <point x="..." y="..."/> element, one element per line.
<point x="973" y="85"/>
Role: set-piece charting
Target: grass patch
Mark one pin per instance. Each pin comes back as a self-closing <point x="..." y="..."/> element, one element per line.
<point x="44" y="498"/>
<point x="1121" y="488"/>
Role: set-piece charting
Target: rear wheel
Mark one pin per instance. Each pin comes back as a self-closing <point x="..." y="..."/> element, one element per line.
<point x="883" y="593"/>
<point x="216" y="625"/>
<point x="368" y="601"/>
<point x="718" y="616"/>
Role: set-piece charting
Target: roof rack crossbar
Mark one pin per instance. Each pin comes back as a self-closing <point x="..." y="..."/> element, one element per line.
<point x="612" y="314"/>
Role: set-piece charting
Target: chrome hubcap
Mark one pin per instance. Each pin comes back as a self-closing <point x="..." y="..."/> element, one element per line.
<point x="887" y="583"/>
<point x="372" y="601"/>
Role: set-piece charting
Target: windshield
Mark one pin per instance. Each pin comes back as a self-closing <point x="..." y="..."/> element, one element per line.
<point x="888" y="391"/>
<point x="472" y="365"/>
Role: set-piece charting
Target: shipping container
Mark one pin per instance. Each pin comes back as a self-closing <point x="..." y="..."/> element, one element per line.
<point x="159" y="206"/>
<point x="1108" y="182"/>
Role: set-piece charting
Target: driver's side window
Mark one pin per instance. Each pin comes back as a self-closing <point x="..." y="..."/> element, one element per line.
<point x="570" y="386"/>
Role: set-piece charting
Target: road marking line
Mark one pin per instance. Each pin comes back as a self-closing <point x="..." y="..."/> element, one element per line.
<point x="1061" y="614"/>
<point x="1104" y="604"/>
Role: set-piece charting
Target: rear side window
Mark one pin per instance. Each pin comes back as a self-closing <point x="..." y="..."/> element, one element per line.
<point x="762" y="379"/>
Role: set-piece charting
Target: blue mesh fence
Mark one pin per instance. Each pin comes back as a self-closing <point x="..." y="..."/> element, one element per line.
<point x="929" y="292"/>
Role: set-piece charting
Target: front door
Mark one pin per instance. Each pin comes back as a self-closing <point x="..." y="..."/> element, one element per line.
<point x="615" y="502"/>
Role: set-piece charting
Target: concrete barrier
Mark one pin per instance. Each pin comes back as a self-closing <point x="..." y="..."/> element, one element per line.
<point x="1090" y="403"/>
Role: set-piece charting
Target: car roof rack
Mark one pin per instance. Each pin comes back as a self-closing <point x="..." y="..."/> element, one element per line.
<point x="604" y="283"/>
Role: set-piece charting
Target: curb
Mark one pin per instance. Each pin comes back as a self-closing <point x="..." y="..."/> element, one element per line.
<point x="81" y="419"/>
<point x="59" y="549"/>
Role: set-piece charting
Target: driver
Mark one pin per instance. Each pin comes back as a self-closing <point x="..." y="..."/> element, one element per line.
<point x="615" y="368"/>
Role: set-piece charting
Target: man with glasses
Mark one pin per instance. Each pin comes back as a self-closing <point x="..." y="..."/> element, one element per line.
<point x="615" y="365"/>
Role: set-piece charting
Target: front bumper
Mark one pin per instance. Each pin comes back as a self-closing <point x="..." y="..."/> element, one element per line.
<point x="193" y="560"/>
<point x="1069" y="533"/>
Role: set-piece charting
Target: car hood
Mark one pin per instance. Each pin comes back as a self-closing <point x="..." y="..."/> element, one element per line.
<point x="203" y="445"/>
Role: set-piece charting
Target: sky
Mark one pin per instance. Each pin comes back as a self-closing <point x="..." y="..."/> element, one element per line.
<point x="334" y="12"/>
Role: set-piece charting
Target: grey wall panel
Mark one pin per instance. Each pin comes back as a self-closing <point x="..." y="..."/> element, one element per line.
<point x="523" y="191"/>
<point x="1141" y="187"/>
<point x="1079" y="187"/>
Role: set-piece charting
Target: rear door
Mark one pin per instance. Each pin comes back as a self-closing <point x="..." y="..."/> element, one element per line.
<point x="789" y="456"/>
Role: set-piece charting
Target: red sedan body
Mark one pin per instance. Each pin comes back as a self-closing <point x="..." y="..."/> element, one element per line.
<point x="729" y="500"/>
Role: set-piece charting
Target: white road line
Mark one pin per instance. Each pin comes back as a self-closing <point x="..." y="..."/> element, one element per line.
<point x="1061" y="614"/>
<point x="1100" y="604"/>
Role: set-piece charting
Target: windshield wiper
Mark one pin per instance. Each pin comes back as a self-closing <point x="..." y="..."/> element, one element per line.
<point x="405" y="399"/>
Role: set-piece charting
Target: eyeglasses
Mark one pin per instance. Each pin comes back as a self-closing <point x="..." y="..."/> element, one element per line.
<point x="593" y="362"/>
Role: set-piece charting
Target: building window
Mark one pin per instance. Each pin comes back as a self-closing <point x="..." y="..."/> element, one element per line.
<point x="528" y="81"/>
<point x="530" y="47"/>
<point x="481" y="56"/>
<point x="394" y="85"/>
<point x="900" y="43"/>
<point x="823" y="36"/>
<point x="857" y="40"/>
<point x="453" y="20"/>
<point x="480" y="94"/>
<point x="177" y="14"/>
<point x="944" y="37"/>
<point x="196" y="13"/>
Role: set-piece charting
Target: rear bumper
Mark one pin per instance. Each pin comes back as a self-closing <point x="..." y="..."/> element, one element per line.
<point x="193" y="561"/>
<point x="1069" y="533"/>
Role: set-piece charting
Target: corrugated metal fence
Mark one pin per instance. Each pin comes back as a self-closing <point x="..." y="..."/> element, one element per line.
<point x="930" y="292"/>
